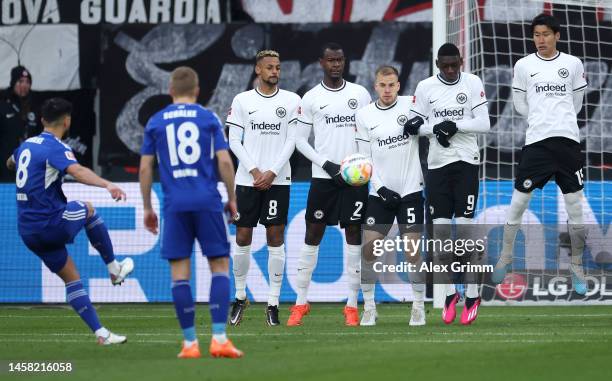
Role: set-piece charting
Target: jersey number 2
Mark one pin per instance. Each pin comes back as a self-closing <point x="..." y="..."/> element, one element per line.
<point x="188" y="150"/>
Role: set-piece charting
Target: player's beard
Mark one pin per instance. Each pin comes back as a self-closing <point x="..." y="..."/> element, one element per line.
<point x="271" y="82"/>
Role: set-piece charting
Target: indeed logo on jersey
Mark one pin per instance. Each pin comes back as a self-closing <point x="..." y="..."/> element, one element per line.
<point x="339" y="119"/>
<point x="393" y="140"/>
<point x="266" y="126"/>
<point x="449" y="113"/>
<point x="551" y="88"/>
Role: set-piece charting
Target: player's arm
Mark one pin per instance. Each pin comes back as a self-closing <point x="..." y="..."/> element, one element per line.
<point x="579" y="85"/>
<point x="519" y="91"/>
<point x="417" y="123"/>
<point x="236" y="130"/>
<point x="304" y="126"/>
<point x="86" y="176"/>
<point x="364" y="147"/>
<point x="225" y="167"/>
<point x="480" y="123"/>
<point x="145" y="178"/>
<point x="10" y="163"/>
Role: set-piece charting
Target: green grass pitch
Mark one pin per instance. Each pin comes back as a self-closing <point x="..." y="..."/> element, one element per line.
<point x="505" y="343"/>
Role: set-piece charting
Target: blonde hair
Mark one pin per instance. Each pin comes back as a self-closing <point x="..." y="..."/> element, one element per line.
<point x="266" y="53"/>
<point x="386" y="70"/>
<point x="184" y="81"/>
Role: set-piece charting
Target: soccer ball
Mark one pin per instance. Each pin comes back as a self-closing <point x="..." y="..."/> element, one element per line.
<point x="356" y="169"/>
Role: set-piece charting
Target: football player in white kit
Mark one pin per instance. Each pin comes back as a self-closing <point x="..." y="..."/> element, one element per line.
<point x="548" y="88"/>
<point x="262" y="124"/>
<point x="451" y="108"/>
<point x="329" y="108"/>
<point x="396" y="185"/>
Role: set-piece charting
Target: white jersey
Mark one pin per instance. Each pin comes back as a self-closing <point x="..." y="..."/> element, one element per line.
<point x="264" y="124"/>
<point x="331" y="112"/>
<point x="395" y="156"/>
<point x="437" y="100"/>
<point x="549" y="85"/>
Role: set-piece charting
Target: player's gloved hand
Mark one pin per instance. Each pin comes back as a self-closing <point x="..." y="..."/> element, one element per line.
<point x="391" y="199"/>
<point x="333" y="170"/>
<point x="444" y="131"/>
<point x="411" y="127"/>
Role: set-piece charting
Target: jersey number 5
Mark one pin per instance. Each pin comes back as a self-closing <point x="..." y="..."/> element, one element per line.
<point x="188" y="150"/>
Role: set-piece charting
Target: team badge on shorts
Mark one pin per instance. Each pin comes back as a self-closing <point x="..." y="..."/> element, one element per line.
<point x="371" y="221"/>
<point x="281" y="112"/>
<point x="237" y="216"/>
<point x="563" y="73"/>
<point x="318" y="214"/>
<point x="431" y="209"/>
<point x="461" y="98"/>
<point x="352" y="103"/>
<point x="527" y="183"/>
<point x="401" y="120"/>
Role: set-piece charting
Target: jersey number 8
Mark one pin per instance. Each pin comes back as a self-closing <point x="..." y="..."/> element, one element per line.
<point x="188" y="150"/>
<point x="22" y="168"/>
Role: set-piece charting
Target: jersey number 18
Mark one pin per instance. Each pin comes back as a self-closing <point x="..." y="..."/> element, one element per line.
<point x="188" y="150"/>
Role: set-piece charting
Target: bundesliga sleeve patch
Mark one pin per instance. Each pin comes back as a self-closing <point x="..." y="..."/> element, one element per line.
<point x="69" y="155"/>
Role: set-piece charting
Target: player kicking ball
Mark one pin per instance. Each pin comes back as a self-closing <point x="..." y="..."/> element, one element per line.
<point x="396" y="184"/>
<point x="451" y="109"/>
<point x="548" y="88"/>
<point x="189" y="143"/>
<point x="262" y="136"/>
<point x="47" y="222"/>
<point x="329" y="108"/>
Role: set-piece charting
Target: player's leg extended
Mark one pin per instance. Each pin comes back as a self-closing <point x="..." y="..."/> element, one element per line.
<point x="240" y="267"/>
<point x="184" y="305"/>
<point x="353" y="270"/>
<point x="98" y="236"/>
<point x="573" y="205"/>
<point x="514" y="216"/>
<point x="276" y="269"/>
<point x="417" y="279"/>
<point x="464" y="228"/>
<point x="80" y="302"/>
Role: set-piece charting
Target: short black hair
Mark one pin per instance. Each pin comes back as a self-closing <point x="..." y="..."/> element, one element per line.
<point x="55" y="108"/>
<point x="448" y="50"/>
<point x="547" y="20"/>
<point x="331" y="46"/>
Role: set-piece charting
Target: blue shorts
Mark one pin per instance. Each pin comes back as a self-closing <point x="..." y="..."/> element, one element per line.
<point x="180" y="229"/>
<point x="50" y="244"/>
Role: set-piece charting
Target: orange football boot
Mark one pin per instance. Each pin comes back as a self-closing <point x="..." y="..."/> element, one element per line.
<point x="351" y="316"/>
<point x="190" y="352"/>
<point x="224" y="350"/>
<point x="297" y="313"/>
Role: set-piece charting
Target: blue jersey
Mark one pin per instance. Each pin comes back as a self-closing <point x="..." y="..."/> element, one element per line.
<point x="185" y="138"/>
<point x="41" y="166"/>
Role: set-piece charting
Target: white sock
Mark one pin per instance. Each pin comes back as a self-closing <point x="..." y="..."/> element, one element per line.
<point x="353" y="269"/>
<point x="113" y="267"/>
<point x="189" y="343"/>
<point x="276" y="269"/>
<point x="102" y="332"/>
<point x="368" y="296"/>
<point x="573" y="206"/>
<point x="471" y="290"/>
<point x="306" y="265"/>
<point x="418" y="290"/>
<point x="242" y="261"/>
<point x="450" y="290"/>
<point x="221" y="338"/>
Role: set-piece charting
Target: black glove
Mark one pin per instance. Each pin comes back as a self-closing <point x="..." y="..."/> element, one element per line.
<point x="391" y="200"/>
<point x="333" y="170"/>
<point x="444" y="131"/>
<point x="412" y="126"/>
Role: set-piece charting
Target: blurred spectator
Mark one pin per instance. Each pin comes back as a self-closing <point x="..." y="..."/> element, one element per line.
<point x="19" y="117"/>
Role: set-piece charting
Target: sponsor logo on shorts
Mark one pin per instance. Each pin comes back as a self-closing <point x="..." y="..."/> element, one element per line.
<point x="527" y="183"/>
<point x="371" y="221"/>
<point x="461" y="98"/>
<point x="318" y="214"/>
<point x="563" y="73"/>
<point x="281" y="112"/>
<point x="352" y="103"/>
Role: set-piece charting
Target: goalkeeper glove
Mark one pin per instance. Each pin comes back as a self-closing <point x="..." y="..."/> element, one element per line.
<point x="444" y="131"/>
<point x="412" y="126"/>
<point x="333" y="170"/>
<point x="391" y="199"/>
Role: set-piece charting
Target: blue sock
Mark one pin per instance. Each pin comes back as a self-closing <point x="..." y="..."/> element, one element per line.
<point x="185" y="308"/>
<point x="99" y="238"/>
<point x="219" y="301"/>
<point x="79" y="300"/>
